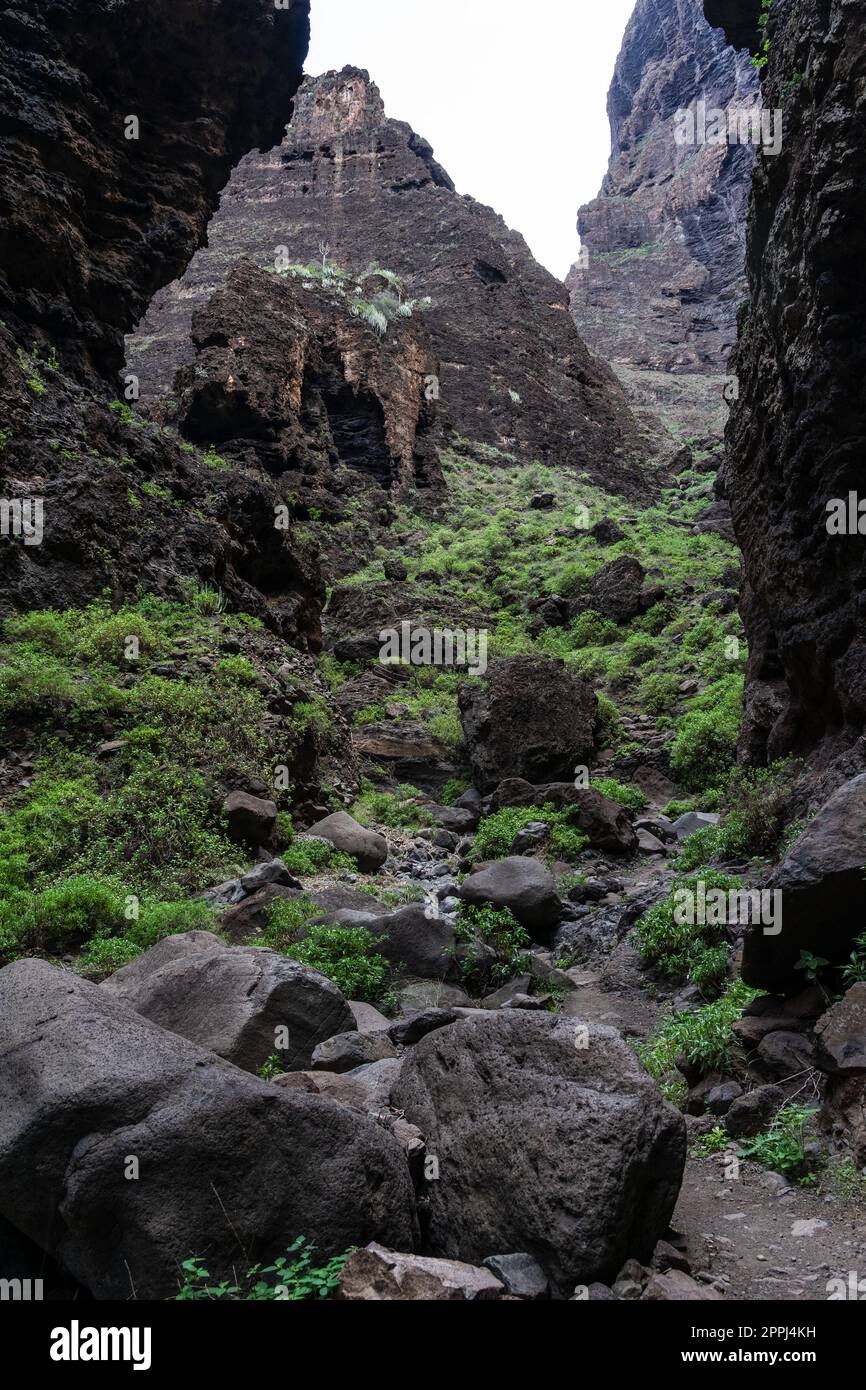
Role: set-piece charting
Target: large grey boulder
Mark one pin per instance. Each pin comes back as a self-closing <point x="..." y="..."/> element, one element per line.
<point x="126" y="1149"/>
<point x="415" y="944"/>
<point x="523" y="885"/>
<point x="823" y="890"/>
<point x="531" y="718"/>
<point x="841" y="1035"/>
<point x="233" y="999"/>
<point x="368" y="848"/>
<point x="551" y="1140"/>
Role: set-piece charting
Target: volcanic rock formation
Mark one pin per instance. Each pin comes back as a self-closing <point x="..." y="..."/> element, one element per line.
<point x="514" y="373"/>
<point x="665" y="239"/>
<point x="795" y="439"/>
<point x="119" y="127"/>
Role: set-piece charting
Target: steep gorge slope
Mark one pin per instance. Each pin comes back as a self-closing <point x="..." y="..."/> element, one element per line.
<point x="665" y="239"/>
<point x="513" y="372"/>
<point x="795" y="439"/>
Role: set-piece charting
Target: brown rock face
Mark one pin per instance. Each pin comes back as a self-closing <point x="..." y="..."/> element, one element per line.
<point x="513" y="373"/>
<point x="795" y="440"/>
<point x="96" y="213"/>
<point x="287" y="379"/>
<point x="665" y="238"/>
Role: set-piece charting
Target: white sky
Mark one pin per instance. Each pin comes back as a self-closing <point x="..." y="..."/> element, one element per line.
<point x="511" y="94"/>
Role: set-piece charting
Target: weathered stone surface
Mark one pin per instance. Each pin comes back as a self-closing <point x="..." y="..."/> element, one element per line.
<point x="412" y="1030"/>
<point x="371" y="188"/>
<point x="665" y="238"/>
<point x="378" y="1275"/>
<point x="416" y="944"/>
<point x="250" y="819"/>
<point x="616" y="590"/>
<point x="782" y="1054"/>
<point x="368" y="848"/>
<point x="841" y="1034"/>
<point x="286" y="377"/>
<point x="227" y="1163"/>
<point x="233" y="999"/>
<point x="522" y="1276"/>
<point x="86" y="237"/>
<point x="568" y="1154"/>
<point x="86" y="240"/>
<point x="347" y="1051"/>
<point x="752" y="1113"/>
<point x="823" y="894"/>
<point x="523" y="885"/>
<point x="531" y="719"/>
<point x="794" y="441"/>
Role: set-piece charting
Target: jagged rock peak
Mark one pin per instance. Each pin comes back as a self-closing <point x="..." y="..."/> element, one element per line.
<point x="665" y="239"/>
<point x="514" y="373"/>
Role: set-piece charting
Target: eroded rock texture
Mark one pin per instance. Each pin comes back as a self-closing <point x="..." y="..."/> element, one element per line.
<point x="91" y="223"/>
<point x="666" y="236"/>
<point x="514" y="372"/>
<point x="288" y="379"/>
<point x="796" y="436"/>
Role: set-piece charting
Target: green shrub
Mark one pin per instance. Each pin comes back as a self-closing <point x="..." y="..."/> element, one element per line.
<point x="399" y="808"/>
<point x="783" y="1147"/>
<point x="632" y="798"/>
<point x="348" y="956"/>
<point x="705" y="747"/>
<point x="496" y="833"/>
<point x="500" y="929"/>
<point x="659" y="692"/>
<point x="454" y="788"/>
<point x="703" y="1037"/>
<point x="609" y="723"/>
<point x="694" y="951"/>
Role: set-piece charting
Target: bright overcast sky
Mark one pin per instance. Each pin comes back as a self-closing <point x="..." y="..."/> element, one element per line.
<point x="512" y="96"/>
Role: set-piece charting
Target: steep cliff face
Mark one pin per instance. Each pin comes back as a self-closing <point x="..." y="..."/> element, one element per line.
<point x="287" y="378"/>
<point x="120" y="123"/>
<point x="514" y="372"/>
<point x="91" y="223"/>
<point x="665" y="239"/>
<point x="796" y="436"/>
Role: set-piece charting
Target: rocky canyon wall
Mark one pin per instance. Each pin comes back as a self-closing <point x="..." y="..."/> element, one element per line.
<point x="664" y="242"/>
<point x="119" y="124"/>
<point x="796" y="436"/>
<point x="514" y="373"/>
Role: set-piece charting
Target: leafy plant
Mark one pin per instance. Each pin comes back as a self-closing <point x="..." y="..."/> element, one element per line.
<point x="715" y="1141"/>
<point x="292" y="1278"/>
<point x="694" y="950"/>
<point x="783" y="1146"/>
<point x="500" y="929"/>
<point x="703" y="1036"/>
<point x="347" y="955"/>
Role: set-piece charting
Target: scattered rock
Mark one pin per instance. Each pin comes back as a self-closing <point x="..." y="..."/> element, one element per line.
<point x="523" y="885"/>
<point x="368" y="848"/>
<point x="750" y="1114"/>
<point x="522" y="1276"/>
<point x="251" y="820"/>
<point x="81" y="1073"/>
<point x="379" y="1275"/>
<point x="841" y="1034"/>
<point x="616" y="590"/>
<point x="412" y="1030"/>
<point x="347" y="1051"/>
<point x="531" y="718"/>
<point x="232" y="999"/>
<point x="506" y="1101"/>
